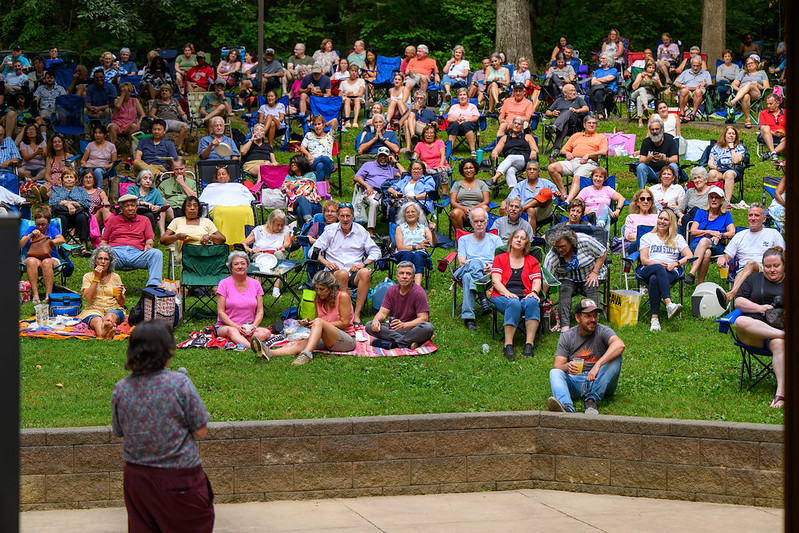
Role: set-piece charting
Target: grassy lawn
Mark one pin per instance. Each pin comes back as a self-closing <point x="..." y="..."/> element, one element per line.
<point x="688" y="370"/>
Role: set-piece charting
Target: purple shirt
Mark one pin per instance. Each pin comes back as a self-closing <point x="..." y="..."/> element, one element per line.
<point x="406" y="308"/>
<point x="157" y="413"/>
<point x="374" y="175"/>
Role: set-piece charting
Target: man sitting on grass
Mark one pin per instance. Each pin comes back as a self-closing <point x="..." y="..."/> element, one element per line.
<point x="406" y="307"/>
<point x="595" y="373"/>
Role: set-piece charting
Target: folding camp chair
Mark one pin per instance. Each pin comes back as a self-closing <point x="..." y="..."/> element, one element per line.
<point x="329" y="108"/>
<point x="428" y="262"/>
<point x="271" y="178"/>
<point x="752" y="357"/>
<point x="386" y="67"/>
<point x="203" y="267"/>
<point x="68" y="119"/>
<point x="65" y="266"/>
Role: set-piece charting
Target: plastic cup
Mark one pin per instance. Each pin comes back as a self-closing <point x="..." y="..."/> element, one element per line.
<point x="117" y="290"/>
<point x="724" y="272"/>
<point x="248" y="328"/>
<point x="479" y="155"/>
<point x="42" y="314"/>
<point x="579" y="363"/>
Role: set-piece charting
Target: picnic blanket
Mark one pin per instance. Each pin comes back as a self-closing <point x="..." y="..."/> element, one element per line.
<point x="69" y="332"/>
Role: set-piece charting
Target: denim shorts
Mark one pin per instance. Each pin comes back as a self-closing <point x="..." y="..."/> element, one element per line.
<point x="118" y="312"/>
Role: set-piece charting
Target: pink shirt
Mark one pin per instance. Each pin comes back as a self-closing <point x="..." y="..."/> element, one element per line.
<point x="638" y="219"/>
<point x="125" y="115"/>
<point x="594" y="199"/>
<point x="333" y="315"/>
<point x="469" y="112"/>
<point x="240" y="306"/>
<point x="98" y="157"/>
<point x="430" y="155"/>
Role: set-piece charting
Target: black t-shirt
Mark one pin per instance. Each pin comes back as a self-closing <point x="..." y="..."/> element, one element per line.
<point x="515" y="284"/>
<point x="668" y="147"/>
<point x="756" y="288"/>
<point x="258" y="153"/>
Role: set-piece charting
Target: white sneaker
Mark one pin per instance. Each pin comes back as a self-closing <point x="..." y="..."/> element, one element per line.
<point x="672" y="309"/>
<point x="275" y="292"/>
<point x="654" y="325"/>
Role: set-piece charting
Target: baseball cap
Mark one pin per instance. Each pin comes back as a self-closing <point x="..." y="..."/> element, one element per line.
<point x="16" y="47"/>
<point x="127" y="197"/>
<point x="317" y="69"/>
<point x="269" y="51"/>
<point x="715" y="190"/>
<point x="221" y="82"/>
<point x="200" y="54"/>
<point x="516" y="85"/>
<point x="586" y="305"/>
<point x="544" y="195"/>
<point x="383" y="151"/>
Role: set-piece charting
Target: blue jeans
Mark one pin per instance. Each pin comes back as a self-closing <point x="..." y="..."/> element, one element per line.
<point x="418" y="258"/>
<point x="567" y="387"/>
<point x="152" y="260"/>
<point x="304" y="209"/>
<point x="468" y="274"/>
<point x="99" y="174"/>
<point x="659" y="281"/>
<point x="646" y="174"/>
<point x="454" y="84"/>
<point x="323" y="166"/>
<point x="512" y="309"/>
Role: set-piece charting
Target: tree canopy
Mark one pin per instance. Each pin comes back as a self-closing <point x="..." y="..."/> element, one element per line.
<point x="93" y="26"/>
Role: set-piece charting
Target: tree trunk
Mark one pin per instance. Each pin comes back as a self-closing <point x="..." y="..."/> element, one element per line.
<point x="513" y="30"/>
<point x="714" y="30"/>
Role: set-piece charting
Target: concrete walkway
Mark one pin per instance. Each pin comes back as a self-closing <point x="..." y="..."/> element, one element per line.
<point x="509" y="511"/>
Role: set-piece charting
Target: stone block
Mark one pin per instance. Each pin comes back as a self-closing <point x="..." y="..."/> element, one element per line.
<point x="406" y="445"/>
<point x="250" y="429"/>
<point x="585" y="470"/>
<point x="290" y="450"/>
<point x="755" y="483"/>
<point x="98" y="458"/>
<point x="381" y="473"/>
<point x="221" y="479"/>
<point x="323" y="426"/>
<point x="698" y="428"/>
<point x="499" y="467"/>
<point x="464" y="442"/>
<point x="79" y="435"/>
<point x="515" y="485"/>
<point x="732" y="454"/>
<point x="32" y="437"/>
<point x="693" y="479"/>
<point x="609" y="423"/>
<point x="504" y="419"/>
<point x="348" y="448"/>
<point x="323" y="476"/>
<point x="772" y="456"/>
<point x="46" y="460"/>
<point x="566" y="442"/>
<point x="272" y="478"/>
<point x="473" y="486"/>
<point x="362" y="492"/>
<point x="32" y="489"/>
<point x="542" y="467"/>
<point x="438" y="422"/>
<point x="215" y="453"/>
<point x="439" y="470"/>
<point x="514" y="440"/>
<point x="638" y="474"/>
<point x="380" y="424"/>
<point x="77" y="487"/>
<point x="115" y="486"/>
<point x="670" y="450"/>
<point x="413" y="490"/>
<point x="756" y="432"/>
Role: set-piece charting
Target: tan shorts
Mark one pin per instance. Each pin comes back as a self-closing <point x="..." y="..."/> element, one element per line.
<point x="575" y="168"/>
<point x="344" y="343"/>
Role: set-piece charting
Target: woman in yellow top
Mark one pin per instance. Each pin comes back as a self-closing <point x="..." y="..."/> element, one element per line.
<point x="104" y="294"/>
<point x="192" y="228"/>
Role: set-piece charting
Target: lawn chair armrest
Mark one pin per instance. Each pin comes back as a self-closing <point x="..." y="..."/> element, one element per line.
<point x="728" y="320"/>
<point x="443" y="264"/>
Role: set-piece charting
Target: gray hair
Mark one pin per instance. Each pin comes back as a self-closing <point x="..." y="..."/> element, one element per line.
<point x="495" y="54"/>
<point x="124" y="50"/>
<point x="107" y="249"/>
<point x="608" y="56"/>
<point x="423" y="48"/>
<point x="404" y="207"/>
<point x="141" y="174"/>
<point x="277" y="214"/>
<point x="514" y="200"/>
<point x="300" y="45"/>
<point x="561" y="234"/>
<point x="179" y="160"/>
<point x="656" y="118"/>
<point x="533" y="162"/>
<point x="235" y="255"/>
<point x="588" y="117"/>
<point x="696" y="49"/>
<point x="518" y="117"/>
<point x="477" y="210"/>
<point x="757" y="205"/>
<point x="420" y="93"/>
<point x="698" y="172"/>
<point x="381" y="115"/>
<point x="459" y="47"/>
<point x="325" y="278"/>
<point x="217" y="118"/>
<point x="406" y="264"/>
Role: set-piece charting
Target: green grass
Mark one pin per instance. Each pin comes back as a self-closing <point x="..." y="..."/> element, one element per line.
<point x="688" y="370"/>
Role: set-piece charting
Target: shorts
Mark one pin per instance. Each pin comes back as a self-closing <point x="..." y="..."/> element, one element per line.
<point x="174" y="125"/>
<point x="352" y="282"/>
<point x="344" y="343"/>
<point x="119" y="313"/>
<point x="716" y="249"/>
<point x="738" y="175"/>
<point x="412" y="80"/>
<point x="575" y="168"/>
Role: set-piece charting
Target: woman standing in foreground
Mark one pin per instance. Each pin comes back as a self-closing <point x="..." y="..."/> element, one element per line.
<point x="158" y="413"/>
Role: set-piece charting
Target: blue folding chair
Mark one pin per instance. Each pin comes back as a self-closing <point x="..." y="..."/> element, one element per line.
<point x="751" y="356"/>
<point x="386" y="67"/>
<point x="330" y="108"/>
<point x="68" y="118"/>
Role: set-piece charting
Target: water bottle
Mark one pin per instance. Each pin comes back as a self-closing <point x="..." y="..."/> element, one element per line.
<point x="485" y="348"/>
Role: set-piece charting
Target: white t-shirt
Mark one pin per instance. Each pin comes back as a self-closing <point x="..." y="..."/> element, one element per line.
<point x="749" y="246"/>
<point x="659" y="252"/>
<point x="351" y="88"/>
<point x="274" y="111"/>
<point x="458" y="69"/>
<point x="673" y="195"/>
<point x="268" y="241"/>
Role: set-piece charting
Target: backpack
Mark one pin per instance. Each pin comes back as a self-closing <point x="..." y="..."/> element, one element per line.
<point x="380" y="293"/>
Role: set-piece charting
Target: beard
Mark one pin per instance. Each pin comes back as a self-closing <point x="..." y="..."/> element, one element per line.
<point x="657" y="139"/>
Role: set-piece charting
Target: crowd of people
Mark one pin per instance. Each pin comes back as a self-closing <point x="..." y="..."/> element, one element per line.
<point x="166" y="202"/>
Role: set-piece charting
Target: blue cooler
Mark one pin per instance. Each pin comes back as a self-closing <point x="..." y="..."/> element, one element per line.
<point x="64" y="303"/>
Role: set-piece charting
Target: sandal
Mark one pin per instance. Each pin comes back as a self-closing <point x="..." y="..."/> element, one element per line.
<point x="85" y="253"/>
<point x="777" y="399"/>
<point x="182" y="152"/>
<point x="748" y="125"/>
<point x="474" y="153"/>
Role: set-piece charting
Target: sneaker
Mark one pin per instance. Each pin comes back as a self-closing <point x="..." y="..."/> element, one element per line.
<point x="485" y="307"/>
<point x="508" y="352"/>
<point x="529" y="350"/>
<point x="240" y="348"/>
<point x="672" y="309"/>
<point x="259" y="348"/>
<point x="766" y="155"/>
<point x="654" y="325"/>
<point x="304" y="357"/>
<point x="774" y="157"/>
<point x="469" y="323"/>
<point x="275" y="292"/>
<point x="590" y="407"/>
<point x="690" y="278"/>
<point x="554" y="405"/>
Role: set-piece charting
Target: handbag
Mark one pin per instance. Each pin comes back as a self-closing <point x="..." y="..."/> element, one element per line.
<point x="40" y="248"/>
<point x="773" y="316"/>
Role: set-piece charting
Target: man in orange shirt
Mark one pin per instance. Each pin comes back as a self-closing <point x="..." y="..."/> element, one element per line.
<point x="421" y="71"/>
<point x="516" y="106"/>
<point x="772" y="128"/>
<point x="582" y="151"/>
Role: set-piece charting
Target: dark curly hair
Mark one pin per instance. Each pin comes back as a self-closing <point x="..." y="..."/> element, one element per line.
<point x="150" y="347"/>
<point x="471" y="160"/>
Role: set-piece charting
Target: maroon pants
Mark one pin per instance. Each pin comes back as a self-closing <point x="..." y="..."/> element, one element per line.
<point x="168" y="500"/>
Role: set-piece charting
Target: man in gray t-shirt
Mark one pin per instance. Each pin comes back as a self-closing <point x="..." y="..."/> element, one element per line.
<point x="506" y="225"/>
<point x="587" y="362"/>
<point x="568" y="113"/>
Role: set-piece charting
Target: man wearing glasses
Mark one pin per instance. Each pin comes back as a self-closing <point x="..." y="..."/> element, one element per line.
<point x="475" y="257"/>
<point x="582" y="151"/>
<point x="416" y="118"/>
<point x="345" y="245"/>
<point x="657" y="150"/>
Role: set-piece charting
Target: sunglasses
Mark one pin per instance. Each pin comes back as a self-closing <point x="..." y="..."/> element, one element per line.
<point x="645" y="199"/>
<point x="345" y="204"/>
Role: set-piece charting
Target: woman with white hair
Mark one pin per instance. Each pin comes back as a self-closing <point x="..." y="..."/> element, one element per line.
<point x="603" y="85"/>
<point x="274" y="237"/>
<point x="695" y="197"/>
<point x="413" y="237"/>
<point x="150" y="201"/>
<point x="710" y="226"/>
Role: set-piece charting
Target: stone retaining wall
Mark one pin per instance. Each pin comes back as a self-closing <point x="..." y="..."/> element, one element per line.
<point x="415" y="454"/>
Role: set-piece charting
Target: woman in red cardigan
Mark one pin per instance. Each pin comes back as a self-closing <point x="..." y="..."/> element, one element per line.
<point x="516" y="277"/>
